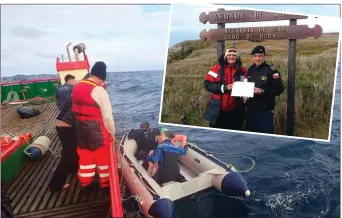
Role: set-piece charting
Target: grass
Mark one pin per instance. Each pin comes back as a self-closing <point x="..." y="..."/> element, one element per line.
<point x="185" y="98"/>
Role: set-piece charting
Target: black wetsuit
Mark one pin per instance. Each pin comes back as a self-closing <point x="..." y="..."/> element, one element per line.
<point x="170" y="170"/>
<point x="146" y="141"/>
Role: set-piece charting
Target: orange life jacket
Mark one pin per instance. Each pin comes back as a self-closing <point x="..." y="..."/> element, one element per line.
<point x="91" y="133"/>
<point x="84" y="106"/>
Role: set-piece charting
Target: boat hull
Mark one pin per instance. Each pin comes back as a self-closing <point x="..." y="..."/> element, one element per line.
<point x="13" y="158"/>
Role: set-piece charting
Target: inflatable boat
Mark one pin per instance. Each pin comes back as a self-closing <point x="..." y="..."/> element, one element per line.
<point x="201" y="170"/>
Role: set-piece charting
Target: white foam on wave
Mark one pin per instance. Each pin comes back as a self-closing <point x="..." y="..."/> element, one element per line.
<point x="290" y="203"/>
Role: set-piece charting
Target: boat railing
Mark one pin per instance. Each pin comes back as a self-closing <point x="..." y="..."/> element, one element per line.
<point x="29" y="81"/>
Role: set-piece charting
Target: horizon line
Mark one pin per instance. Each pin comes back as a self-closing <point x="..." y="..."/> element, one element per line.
<point x="133" y="71"/>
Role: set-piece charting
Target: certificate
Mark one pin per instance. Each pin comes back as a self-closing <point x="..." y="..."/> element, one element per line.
<point x="243" y="89"/>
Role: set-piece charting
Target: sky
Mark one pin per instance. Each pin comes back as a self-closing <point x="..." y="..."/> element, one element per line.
<point x="125" y="37"/>
<point x="185" y="24"/>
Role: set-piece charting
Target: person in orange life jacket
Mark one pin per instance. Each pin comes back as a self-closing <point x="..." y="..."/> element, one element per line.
<point x="94" y="127"/>
<point x="162" y="162"/>
<point x="65" y="127"/>
<point x="268" y="84"/>
<point x="223" y="110"/>
<point x="165" y="134"/>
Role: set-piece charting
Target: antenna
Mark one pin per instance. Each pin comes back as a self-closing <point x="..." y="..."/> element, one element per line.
<point x="67" y="47"/>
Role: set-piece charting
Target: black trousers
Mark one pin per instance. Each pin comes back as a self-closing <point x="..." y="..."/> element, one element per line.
<point x="260" y="120"/>
<point x="232" y="119"/>
<point x="69" y="159"/>
<point x="166" y="175"/>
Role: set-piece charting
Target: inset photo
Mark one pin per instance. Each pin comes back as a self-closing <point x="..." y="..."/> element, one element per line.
<point x="245" y="68"/>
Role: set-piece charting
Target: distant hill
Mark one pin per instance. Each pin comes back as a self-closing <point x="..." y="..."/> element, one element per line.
<point x="27" y="77"/>
<point x="185" y="97"/>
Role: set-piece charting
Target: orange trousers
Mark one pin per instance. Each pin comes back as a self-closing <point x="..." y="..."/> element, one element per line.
<point x="91" y="162"/>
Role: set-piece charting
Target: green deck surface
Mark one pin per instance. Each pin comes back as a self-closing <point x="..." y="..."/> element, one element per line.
<point x="37" y="89"/>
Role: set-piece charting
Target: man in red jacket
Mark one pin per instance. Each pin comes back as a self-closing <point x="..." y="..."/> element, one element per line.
<point x="225" y="111"/>
<point x="94" y="126"/>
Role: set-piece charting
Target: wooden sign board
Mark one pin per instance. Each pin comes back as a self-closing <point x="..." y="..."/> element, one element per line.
<point x="237" y="16"/>
<point x="262" y="33"/>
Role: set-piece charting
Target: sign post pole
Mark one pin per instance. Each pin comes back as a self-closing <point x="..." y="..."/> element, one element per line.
<point x="291" y="84"/>
<point x="220" y="43"/>
<point x="221" y="48"/>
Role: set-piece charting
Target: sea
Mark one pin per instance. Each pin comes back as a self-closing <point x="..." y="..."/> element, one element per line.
<point x="291" y="178"/>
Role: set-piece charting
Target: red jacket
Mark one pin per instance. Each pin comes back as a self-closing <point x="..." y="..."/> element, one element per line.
<point x="228" y="102"/>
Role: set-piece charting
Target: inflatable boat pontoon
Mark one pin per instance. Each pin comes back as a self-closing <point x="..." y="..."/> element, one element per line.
<point x="200" y="169"/>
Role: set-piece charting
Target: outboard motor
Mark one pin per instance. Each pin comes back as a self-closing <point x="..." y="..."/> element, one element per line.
<point x="27" y="112"/>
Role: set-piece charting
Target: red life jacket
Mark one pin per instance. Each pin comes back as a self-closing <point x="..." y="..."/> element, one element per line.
<point x="90" y="131"/>
<point x="84" y="106"/>
<point x="228" y="102"/>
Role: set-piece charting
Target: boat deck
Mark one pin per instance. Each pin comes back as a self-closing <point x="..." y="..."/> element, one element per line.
<point x="29" y="192"/>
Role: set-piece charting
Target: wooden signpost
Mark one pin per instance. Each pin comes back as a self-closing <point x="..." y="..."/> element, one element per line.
<point x="237" y="16"/>
<point x="257" y="34"/>
<point x="262" y="33"/>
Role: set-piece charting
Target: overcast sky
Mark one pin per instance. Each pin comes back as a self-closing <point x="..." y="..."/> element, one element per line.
<point x="126" y="38"/>
<point x="185" y="24"/>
